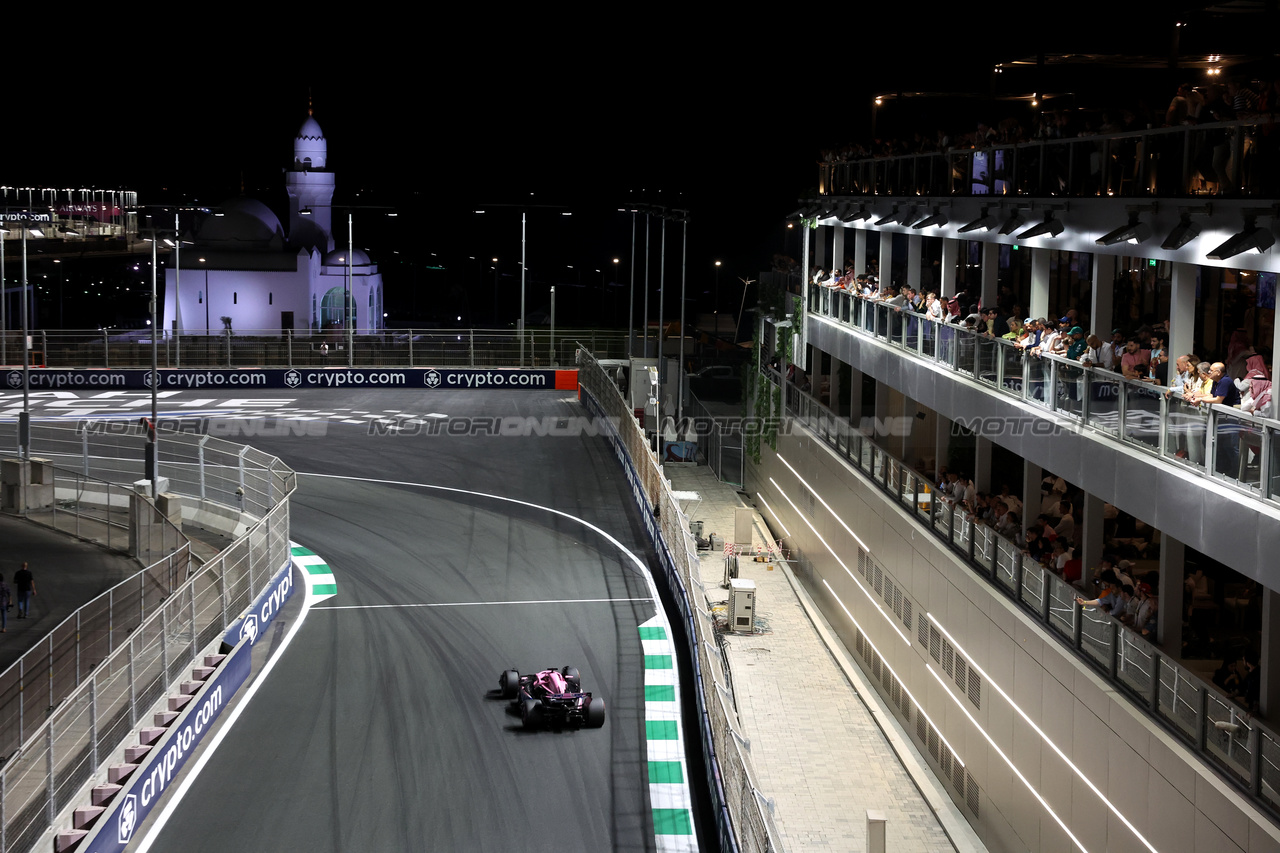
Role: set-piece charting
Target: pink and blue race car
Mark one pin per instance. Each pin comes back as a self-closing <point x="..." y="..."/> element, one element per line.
<point x="552" y="699"/>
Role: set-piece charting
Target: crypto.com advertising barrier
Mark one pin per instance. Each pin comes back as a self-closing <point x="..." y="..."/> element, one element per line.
<point x="269" y="603"/>
<point x="115" y="828"/>
<point x="184" y="379"/>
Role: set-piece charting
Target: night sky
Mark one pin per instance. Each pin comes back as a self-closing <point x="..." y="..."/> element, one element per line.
<point x="438" y="117"/>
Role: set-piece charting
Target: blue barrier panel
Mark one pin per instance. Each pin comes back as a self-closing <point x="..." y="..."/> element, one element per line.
<point x="254" y="623"/>
<point x="130" y="807"/>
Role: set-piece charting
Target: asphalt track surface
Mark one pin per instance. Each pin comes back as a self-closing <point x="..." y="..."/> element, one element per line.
<point x="379" y="729"/>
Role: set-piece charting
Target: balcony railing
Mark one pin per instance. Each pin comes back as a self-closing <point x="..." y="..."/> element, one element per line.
<point x="1207" y="721"/>
<point x="1218" y="158"/>
<point x="1237" y="449"/>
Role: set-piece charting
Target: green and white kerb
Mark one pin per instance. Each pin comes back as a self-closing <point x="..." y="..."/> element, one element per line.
<point x="320" y="581"/>
<point x="668" y="777"/>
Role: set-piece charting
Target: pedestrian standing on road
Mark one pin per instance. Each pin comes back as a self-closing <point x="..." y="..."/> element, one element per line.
<point x="25" y="584"/>
<point x="5" y="598"/>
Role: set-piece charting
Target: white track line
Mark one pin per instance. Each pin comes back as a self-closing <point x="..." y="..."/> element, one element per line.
<point x="481" y="603"/>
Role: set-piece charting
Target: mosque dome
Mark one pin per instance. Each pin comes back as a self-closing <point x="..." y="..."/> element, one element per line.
<point x="310" y="150"/>
<point x="338" y="257"/>
<point x="244" y="222"/>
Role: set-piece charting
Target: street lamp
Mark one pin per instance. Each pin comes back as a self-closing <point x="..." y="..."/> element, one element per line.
<point x="715" y="306"/>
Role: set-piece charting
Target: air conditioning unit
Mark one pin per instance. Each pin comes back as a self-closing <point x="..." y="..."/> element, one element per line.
<point x="742" y="606"/>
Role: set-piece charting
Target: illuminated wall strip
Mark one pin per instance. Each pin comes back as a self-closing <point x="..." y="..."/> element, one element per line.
<point x="865" y="591"/>
<point x="902" y="684"/>
<point x="1079" y="774"/>
<point x="1000" y="752"/>
<point x="824" y="503"/>
<point x="776" y="517"/>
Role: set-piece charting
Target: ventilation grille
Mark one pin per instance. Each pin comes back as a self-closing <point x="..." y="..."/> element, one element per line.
<point x="975" y="690"/>
<point x="971" y="796"/>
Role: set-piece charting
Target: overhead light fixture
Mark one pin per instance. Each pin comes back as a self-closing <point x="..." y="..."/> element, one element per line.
<point x="1132" y="232"/>
<point x="985" y="222"/>
<point x="895" y="217"/>
<point x="1252" y="238"/>
<point x="1013" y="223"/>
<point x="933" y="220"/>
<point x="1182" y="234"/>
<point x="1050" y="226"/>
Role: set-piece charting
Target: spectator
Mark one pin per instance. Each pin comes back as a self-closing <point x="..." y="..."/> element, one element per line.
<point x="25" y="584"/>
<point x="1066" y="526"/>
<point x="1134" y="361"/>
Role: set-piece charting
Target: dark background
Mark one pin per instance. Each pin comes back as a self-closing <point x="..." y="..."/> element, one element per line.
<point x="440" y="113"/>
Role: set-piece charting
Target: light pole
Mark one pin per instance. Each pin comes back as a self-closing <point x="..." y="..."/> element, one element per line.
<point x="553" y="325"/>
<point x="4" y="299"/>
<point x="349" y="303"/>
<point x="62" y="280"/>
<point x="684" y="254"/>
<point x="631" y="306"/>
<point x="150" y="467"/>
<point x="715" y="305"/>
<point x="24" y="419"/>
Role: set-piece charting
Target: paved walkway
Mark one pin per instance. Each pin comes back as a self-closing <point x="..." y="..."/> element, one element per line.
<point x="68" y="573"/>
<point x="830" y="751"/>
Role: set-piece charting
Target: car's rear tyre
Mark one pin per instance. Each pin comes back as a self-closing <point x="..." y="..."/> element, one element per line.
<point x="573" y="678"/>
<point x="531" y="713"/>
<point x="595" y="713"/>
<point x="509" y="681"/>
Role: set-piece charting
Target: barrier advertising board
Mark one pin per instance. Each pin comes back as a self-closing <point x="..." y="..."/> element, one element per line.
<point x="183" y="379"/>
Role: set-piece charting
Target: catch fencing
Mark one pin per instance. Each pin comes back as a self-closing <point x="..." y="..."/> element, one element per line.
<point x="69" y="703"/>
<point x="743" y="812"/>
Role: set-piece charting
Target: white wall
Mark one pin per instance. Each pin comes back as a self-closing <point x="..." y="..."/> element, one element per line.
<point x="1169" y="796"/>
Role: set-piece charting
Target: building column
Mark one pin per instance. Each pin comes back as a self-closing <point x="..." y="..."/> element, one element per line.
<point x="1101" y="307"/>
<point x="1032" y="474"/>
<point x="836" y="394"/>
<point x="886" y="257"/>
<point x="860" y="250"/>
<point x="950" y="257"/>
<point x="883" y="411"/>
<point x="855" y="396"/>
<point x="942" y="441"/>
<point x="1089" y="533"/>
<point x="837" y="247"/>
<point x="1039" y="283"/>
<point x="915" y="252"/>
<point x="1169" y="616"/>
<point x="1182" y="314"/>
<point x="990" y="275"/>
<point x="820" y="248"/>
<point x="982" y="463"/>
<point x="1269" y="694"/>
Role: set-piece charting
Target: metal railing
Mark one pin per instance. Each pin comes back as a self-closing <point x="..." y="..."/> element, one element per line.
<point x="1216" y="158"/>
<point x="1238" y="449"/>
<point x="288" y="348"/>
<point x="750" y="821"/>
<point x="69" y="703"/>
<point x="720" y="443"/>
<point x="1207" y="721"/>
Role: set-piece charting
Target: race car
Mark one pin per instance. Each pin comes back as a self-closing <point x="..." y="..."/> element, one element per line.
<point x="552" y="698"/>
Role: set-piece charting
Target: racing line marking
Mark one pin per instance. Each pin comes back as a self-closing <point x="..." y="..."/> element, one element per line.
<point x="481" y="603"/>
<point x="669" y="797"/>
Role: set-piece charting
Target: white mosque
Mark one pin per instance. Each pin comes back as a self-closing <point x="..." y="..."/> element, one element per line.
<point x="244" y="265"/>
